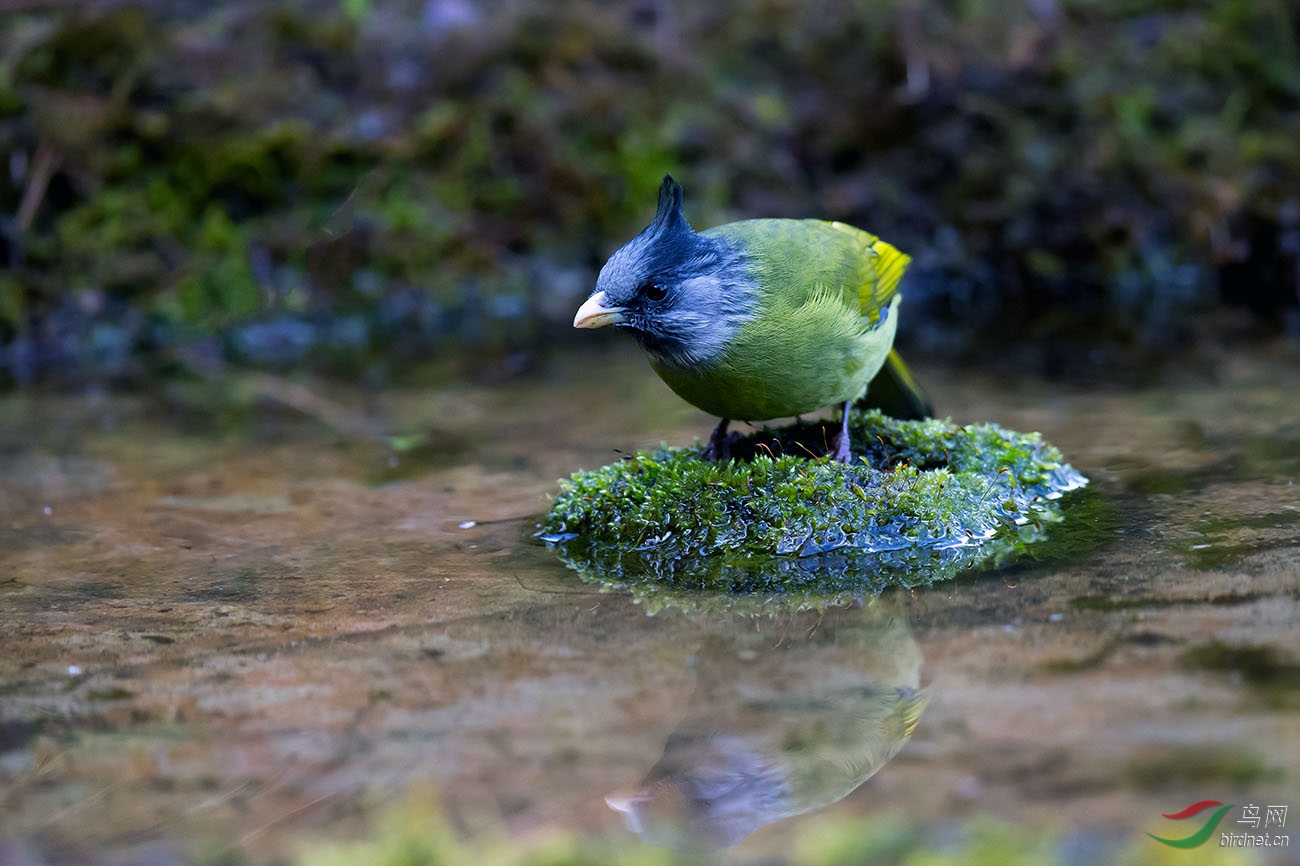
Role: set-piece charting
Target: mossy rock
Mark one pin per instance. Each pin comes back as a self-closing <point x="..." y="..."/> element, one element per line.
<point x="924" y="501"/>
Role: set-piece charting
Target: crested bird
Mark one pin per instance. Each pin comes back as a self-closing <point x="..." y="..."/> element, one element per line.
<point x="762" y="318"/>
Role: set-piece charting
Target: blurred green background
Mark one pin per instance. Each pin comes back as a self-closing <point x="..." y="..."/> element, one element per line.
<point x="357" y="186"/>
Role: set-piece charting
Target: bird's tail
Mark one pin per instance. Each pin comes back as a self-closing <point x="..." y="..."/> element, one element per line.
<point x="896" y="392"/>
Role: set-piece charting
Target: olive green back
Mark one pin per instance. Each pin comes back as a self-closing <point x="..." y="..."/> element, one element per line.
<point x="797" y="259"/>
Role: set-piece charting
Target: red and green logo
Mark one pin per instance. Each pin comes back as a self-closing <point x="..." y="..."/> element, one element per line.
<point x="1199" y="837"/>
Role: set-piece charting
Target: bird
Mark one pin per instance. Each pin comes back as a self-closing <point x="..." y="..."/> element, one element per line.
<point x="762" y="318"/>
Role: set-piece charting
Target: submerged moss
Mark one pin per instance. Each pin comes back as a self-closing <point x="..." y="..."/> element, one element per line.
<point x="927" y="500"/>
<point x="1259" y="666"/>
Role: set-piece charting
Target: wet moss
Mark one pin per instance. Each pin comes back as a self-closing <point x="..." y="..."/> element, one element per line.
<point x="926" y="500"/>
<point x="1092" y="524"/>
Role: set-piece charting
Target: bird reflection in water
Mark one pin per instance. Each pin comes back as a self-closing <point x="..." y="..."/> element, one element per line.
<point x="790" y="713"/>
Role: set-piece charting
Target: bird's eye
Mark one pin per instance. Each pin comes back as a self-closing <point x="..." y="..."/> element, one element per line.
<point x="656" y="291"/>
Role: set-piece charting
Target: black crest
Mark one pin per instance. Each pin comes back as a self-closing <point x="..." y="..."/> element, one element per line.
<point x="668" y="215"/>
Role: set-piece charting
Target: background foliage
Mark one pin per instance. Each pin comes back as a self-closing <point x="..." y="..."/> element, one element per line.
<point x="358" y="184"/>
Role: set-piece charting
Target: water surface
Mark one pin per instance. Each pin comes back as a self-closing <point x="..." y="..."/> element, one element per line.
<point x="235" y="619"/>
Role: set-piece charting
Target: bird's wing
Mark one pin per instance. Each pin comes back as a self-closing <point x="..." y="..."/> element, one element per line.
<point x="796" y="260"/>
<point x="879" y="265"/>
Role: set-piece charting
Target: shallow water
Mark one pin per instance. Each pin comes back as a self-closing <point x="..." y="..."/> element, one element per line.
<point x="231" y="625"/>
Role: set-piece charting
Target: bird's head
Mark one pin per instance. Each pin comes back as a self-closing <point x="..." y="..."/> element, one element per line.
<point x="683" y="295"/>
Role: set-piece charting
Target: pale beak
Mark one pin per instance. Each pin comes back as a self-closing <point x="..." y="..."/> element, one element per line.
<point x="594" y="314"/>
<point x="626" y="806"/>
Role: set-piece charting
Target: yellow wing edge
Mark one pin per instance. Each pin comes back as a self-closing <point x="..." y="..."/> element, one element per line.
<point x="884" y="266"/>
<point x="890" y="264"/>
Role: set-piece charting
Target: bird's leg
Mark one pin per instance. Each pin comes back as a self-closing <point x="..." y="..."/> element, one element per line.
<point x="719" y="447"/>
<point x="840" y="451"/>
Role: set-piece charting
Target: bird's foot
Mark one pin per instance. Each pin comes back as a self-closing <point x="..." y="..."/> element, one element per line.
<point x="840" y="450"/>
<point x="719" y="448"/>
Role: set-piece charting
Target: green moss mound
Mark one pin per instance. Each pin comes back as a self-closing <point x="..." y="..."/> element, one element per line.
<point x="926" y="500"/>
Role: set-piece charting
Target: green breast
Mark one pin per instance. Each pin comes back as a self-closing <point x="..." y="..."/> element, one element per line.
<point x="810" y="344"/>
